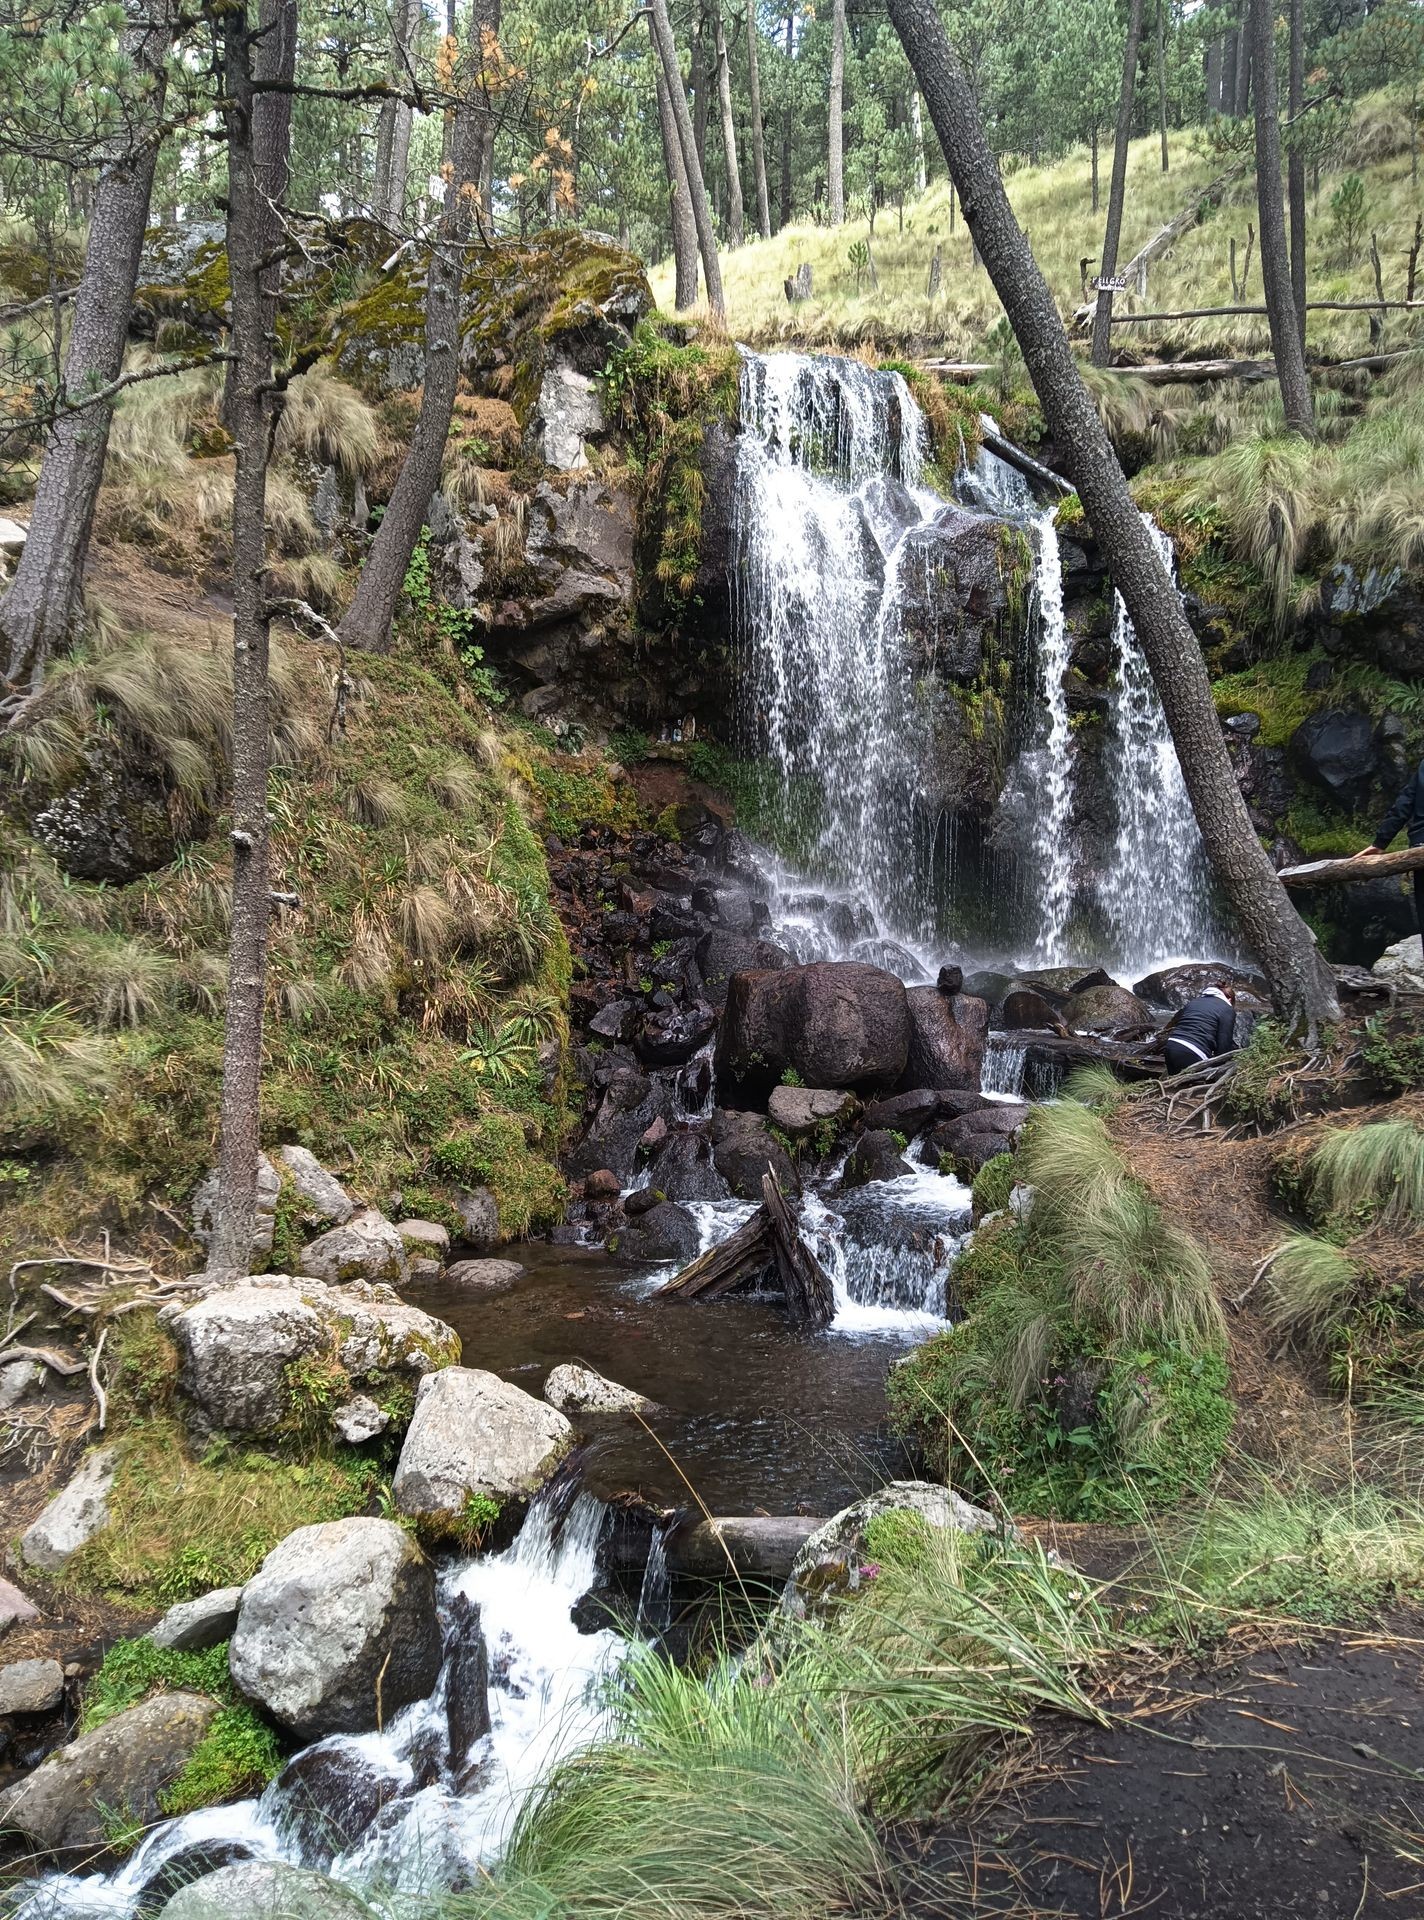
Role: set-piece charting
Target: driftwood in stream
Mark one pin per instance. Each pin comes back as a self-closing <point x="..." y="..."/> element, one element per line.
<point x="1333" y="873"/>
<point x="769" y="1239"/>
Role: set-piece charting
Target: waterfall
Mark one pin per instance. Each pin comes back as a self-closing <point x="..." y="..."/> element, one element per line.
<point x="1156" y="892"/>
<point x="829" y="465"/>
<point x="1002" y="1074"/>
<point x="1052" y="761"/>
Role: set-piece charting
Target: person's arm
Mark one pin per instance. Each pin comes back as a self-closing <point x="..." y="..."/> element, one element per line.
<point x="1226" y="1028"/>
<point x="1394" y="819"/>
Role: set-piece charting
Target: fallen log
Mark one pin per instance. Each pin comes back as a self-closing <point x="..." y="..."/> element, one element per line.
<point x="1013" y="456"/>
<point x="740" y="1259"/>
<point x="769" y="1240"/>
<point x="1190" y="216"/>
<point x="1358" y="866"/>
<point x="810" y="1297"/>
<point x="1192" y="373"/>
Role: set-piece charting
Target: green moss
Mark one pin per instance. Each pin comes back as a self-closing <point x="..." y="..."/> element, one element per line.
<point x="1322" y="833"/>
<point x="899" y="1538"/>
<point x="235" y="1759"/>
<point x="583" y="793"/>
<point x="993" y="1184"/>
<point x="1276" y="690"/>
<point x="493" y="1152"/>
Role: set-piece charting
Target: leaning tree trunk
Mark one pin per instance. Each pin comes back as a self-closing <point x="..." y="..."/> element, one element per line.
<point x="729" y="132"/>
<point x="1102" y="311"/>
<point x="252" y="404"/>
<point x="1286" y="339"/>
<point x="1295" y="164"/>
<point x="758" y="131"/>
<point x="394" y="126"/>
<point x="835" y="118"/>
<point x="42" y="604"/>
<point x="274" y="65"/>
<point x="1302" y="985"/>
<point x="684" y="232"/>
<point x="373" y="607"/>
<point x="697" y="190"/>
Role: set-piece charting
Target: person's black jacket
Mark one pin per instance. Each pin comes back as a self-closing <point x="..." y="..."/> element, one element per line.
<point x="1208" y="1022"/>
<point x="1407" y="812"/>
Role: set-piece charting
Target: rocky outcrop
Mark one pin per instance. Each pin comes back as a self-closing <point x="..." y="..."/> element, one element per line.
<point x="969" y="1141"/>
<point x="1337" y="751"/>
<point x="74" y="1516"/>
<point x="831" y="1562"/>
<point x="801" y="1110"/>
<point x="367" y="1246"/>
<point x="836" y="1023"/>
<point x="264" y="1890"/>
<point x="948" y="1034"/>
<point x="325" y="1202"/>
<point x="744" y="1151"/>
<point x="337" y="1631"/>
<point x="684" y="1169"/>
<point x="473" y="1433"/>
<point x="242" y="1348"/>
<point x="575" y="1389"/>
<point x="67" y="1805"/>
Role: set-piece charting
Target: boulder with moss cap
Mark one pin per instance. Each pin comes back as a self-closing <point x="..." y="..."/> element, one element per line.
<point x="473" y="1433"/>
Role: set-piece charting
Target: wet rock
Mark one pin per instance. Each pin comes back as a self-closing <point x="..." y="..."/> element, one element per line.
<point x="1107" y="1009"/>
<point x="425" y="1239"/>
<point x="182" y="1868"/>
<point x="1402" y="966"/>
<point x="988" y="985"/>
<point x="365" y="1247"/>
<point x="74" y="1516"/>
<point x="630" y="1104"/>
<point x="953" y="581"/>
<point x="969" y="1142"/>
<point x="685" y="1170"/>
<point x="328" y="1795"/>
<point x="483" y="1276"/>
<point x="667" y="1039"/>
<point x="907" y="1113"/>
<point x="31" y="1686"/>
<point x="836" y="1022"/>
<point x="479" y="1218"/>
<point x="1338" y="752"/>
<point x="665" y="1232"/>
<point x="744" y="1151"/>
<point x="575" y="1389"/>
<point x="642" y="1200"/>
<point x="831" y="1561"/>
<point x="798" y="1110"/>
<point x="619" y="1020"/>
<point x="467" y="1710"/>
<point x="269" y="1190"/>
<point x="327" y="1201"/>
<point x="265" y="1890"/>
<point x="65" y="1805"/>
<point x="950" y="980"/>
<point x="1172" y="987"/>
<point x="891" y="510"/>
<point x="236" y="1344"/>
<point x="948" y="1034"/>
<point x="475" y="1433"/>
<point x="337" y="1630"/>
<point x="720" y="954"/>
<point x="875" y="1156"/>
<point x="359" y="1420"/>
<point x="1025" y="1008"/>
<point x="195" y="1624"/>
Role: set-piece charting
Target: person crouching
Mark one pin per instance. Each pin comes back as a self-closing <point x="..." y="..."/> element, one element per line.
<point x="1204" y="1029"/>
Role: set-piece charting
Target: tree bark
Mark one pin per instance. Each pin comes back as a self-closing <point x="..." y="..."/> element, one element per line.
<point x="1117" y="189"/>
<point x="758" y="131"/>
<point x="43" y="602"/>
<point x="1231" y="54"/>
<point x="252" y="410"/>
<point x="1302" y="985"/>
<point x="394" y="126"/>
<point x="1245" y="61"/>
<point x="697" y="190"/>
<point x="368" y="619"/>
<point x="697" y="80"/>
<point x="273" y="58"/>
<point x="735" y="211"/>
<point x="1295" y="163"/>
<point x="1094" y="146"/>
<point x="788" y="120"/>
<point x="917" y="127"/>
<point x="1213" y="76"/>
<point x="1286" y="340"/>
<point x="684" y="233"/>
<point x="1162" y="82"/>
<point x="835" y="119"/>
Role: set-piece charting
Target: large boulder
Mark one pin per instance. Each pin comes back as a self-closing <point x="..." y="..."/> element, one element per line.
<point x="876" y="1155"/>
<point x="112" y="819"/>
<point x="367" y="1246"/>
<point x="325" y="1202"/>
<point x="948" y="1034"/>
<point x="68" y="1804"/>
<point x="663" y="1232"/>
<point x="31" y="1686"/>
<point x="195" y="1624"/>
<point x="1338" y="752"/>
<point x="685" y="1170"/>
<point x="77" y="1512"/>
<point x="973" y="1139"/>
<point x="830" y="1561"/>
<point x="631" y="1103"/>
<point x="836" y="1023"/>
<point x="337" y="1630"/>
<point x="744" y="1150"/>
<point x="1402" y="965"/>
<point x="1107" y="1009"/>
<point x="801" y="1110"/>
<point x="721" y="953"/>
<point x="242" y="1349"/>
<point x="264" y="1890"/>
<point x="575" y="1389"/>
<point x="327" y="1795"/>
<point x="473" y="1433"/>
<point x="1172" y="987"/>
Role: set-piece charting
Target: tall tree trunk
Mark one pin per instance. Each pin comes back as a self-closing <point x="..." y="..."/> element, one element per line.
<point x="1286" y="342"/>
<point x="697" y="190"/>
<point x="735" y="211"/>
<point x="368" y="619"/>
<point x="684" y="232"/>
<point x="1301" y="983"/>
<point x="1162" y="81"/>
<point x="788" y="121"/>
<point x="1213" y="76"/>
<point x="1093" y="143"/>
<point x="917" y="128"/>
<point x="1231" y="54"/>
<point x="274" y="59"/>
<point x="758" y="130"/>
<point x="701" y="93"/>
<point x="43" y="602"/>
<point x="394" y="125"/>
<point x="1245" y="60"/>
<point x="1102" y="311"/>
<point x="252" y="162"/>
<point x="1295" y="163"/>
<point x="835" y="119"/>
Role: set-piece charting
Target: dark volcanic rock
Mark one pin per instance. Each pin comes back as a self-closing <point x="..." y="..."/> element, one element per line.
<point x="1107" y="1009"/>
<point x="670" y="1037"/>
<point x="744" y="1150"/>
<point x="836" y="1022"/>
<point x="685" y="1169"/>
<point x="947" y="1039"/>
<point x="721" y="953"/>
<point x="1338" y="751"/>
<point x="875" y="1156"/>
<point x="1173" y="987"/>
<point x="905" y="1113"/>
<point x="666" y="1232"/>
<point x="327" y="1797"/>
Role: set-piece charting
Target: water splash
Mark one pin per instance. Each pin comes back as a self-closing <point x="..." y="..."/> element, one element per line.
<point x="1002" y="1074"/>
<point x="1052" y="758"/>
<point x="888" y="1248"/>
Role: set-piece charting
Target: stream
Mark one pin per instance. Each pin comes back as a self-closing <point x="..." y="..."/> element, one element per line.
<point x="834" y="518"/>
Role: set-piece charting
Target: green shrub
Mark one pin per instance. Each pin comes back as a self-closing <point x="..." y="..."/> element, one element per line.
<point x="993" y="1184"/>
<point x="1395" y="1061"/>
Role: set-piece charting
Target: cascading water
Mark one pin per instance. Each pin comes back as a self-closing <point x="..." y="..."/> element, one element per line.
<point x="1053" y="849"/>
<point x="1156" y="891"/>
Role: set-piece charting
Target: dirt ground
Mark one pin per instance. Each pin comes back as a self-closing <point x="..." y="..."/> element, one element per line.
<point x="1287" y="1784"/>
